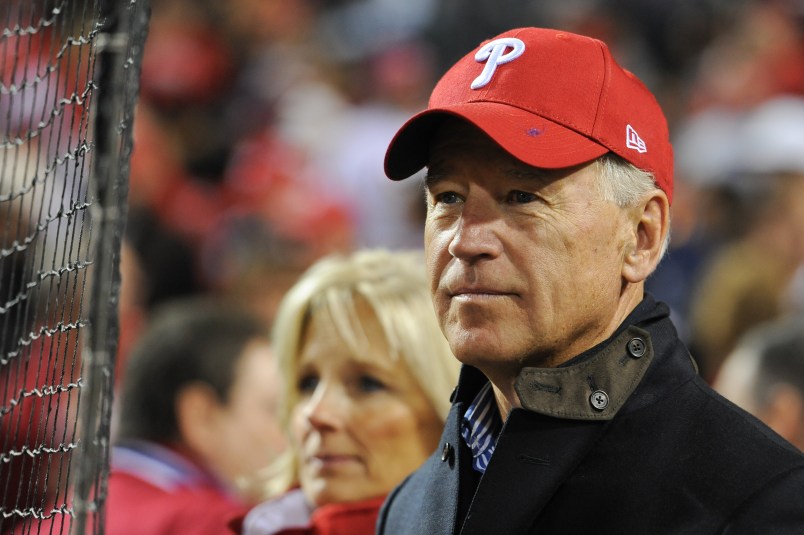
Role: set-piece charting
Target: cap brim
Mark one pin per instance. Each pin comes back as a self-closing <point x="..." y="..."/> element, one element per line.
<point x="528" y="137"/>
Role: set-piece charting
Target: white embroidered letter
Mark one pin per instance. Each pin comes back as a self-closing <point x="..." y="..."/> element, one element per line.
<point x="492" y="54"/>
<point x="633" y="141"/>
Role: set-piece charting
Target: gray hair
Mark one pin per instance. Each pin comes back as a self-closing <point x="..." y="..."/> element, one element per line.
<point x="625" y="184"/>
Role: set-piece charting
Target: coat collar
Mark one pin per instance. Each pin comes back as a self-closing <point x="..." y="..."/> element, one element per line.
<point x="593" y="389"/>
<point x="561" y="419"/>
<point x="621" y="378"/>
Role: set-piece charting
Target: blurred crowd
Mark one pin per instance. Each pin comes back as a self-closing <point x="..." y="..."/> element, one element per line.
<point x="261" y="128"/>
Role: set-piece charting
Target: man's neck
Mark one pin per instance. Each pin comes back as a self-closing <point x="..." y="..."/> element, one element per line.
<point x="506" y="400"/>
<point x="503" y="380"/>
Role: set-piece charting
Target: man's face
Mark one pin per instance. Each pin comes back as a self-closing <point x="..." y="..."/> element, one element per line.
<point x="250" y="437"/>
<point x="525" y="264"/>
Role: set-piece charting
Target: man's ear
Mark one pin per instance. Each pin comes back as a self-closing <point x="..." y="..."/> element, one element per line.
<point x="651" y="220"/>
<point x="196" y="410"/>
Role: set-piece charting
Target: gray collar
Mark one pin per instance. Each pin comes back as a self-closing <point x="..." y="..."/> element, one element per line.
<point x="594" y="389"/>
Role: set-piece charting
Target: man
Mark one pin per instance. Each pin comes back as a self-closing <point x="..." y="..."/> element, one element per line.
<point x="196" y="423"/>
<point x="578" y="409"/>
<point x="765" y="376"/>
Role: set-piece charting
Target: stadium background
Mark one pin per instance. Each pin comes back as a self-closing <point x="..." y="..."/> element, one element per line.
<point x="261" y="126"/>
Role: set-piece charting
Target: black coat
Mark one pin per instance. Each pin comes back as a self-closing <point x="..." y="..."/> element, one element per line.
<point x="660" y="452"/>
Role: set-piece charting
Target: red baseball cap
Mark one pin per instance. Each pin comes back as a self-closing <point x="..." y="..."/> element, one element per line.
<point x="550" y="98"/>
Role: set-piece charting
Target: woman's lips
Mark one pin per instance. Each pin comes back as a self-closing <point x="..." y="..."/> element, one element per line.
<point x="332" y="461"/>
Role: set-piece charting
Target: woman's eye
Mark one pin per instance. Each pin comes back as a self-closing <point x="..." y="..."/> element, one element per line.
<point x="307" y="383"/>
<point x="521" y="197"/>
<point x="368" y="383"/>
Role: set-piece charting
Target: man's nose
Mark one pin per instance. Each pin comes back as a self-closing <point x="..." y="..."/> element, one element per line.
<point x="477" y="231"/>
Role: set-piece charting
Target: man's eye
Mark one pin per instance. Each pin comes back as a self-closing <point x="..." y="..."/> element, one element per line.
<point x="521" y="197"/>
<point x="448" y="197"/>
<point x="368" y="383"/>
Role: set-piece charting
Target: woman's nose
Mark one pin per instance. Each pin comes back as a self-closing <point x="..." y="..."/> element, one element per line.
<point x="327" y="407"/>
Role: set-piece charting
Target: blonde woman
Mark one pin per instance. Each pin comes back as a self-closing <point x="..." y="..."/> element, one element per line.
<point x="368" y="376"/>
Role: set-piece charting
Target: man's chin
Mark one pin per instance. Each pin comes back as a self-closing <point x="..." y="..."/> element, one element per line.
<point x="478" y="353"/>
<point x="478" y="349"/>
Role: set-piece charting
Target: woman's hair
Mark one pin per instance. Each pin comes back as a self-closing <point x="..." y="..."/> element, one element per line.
<point x="394" y="286"/>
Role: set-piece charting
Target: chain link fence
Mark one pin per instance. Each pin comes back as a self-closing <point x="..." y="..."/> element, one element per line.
<point x="69" y="73"/>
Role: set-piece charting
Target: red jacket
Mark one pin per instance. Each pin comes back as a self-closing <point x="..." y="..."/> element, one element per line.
<point x="155" y="491"/>
<point x="291" y="515"/>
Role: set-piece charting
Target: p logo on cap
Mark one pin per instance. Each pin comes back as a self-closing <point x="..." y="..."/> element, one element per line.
<point x="493" y="53"/>
<point x="565" y="86"/>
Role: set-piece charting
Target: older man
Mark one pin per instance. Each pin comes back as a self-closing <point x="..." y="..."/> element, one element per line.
<point x="578" y="409"/>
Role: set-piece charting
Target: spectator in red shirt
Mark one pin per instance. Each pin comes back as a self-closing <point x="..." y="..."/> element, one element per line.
<point x="196" y="421"/>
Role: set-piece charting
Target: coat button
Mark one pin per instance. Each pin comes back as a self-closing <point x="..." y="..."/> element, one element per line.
<point x="598" y="399"/>
<point x="636" y="347"/>
<point x="446" y="452"/>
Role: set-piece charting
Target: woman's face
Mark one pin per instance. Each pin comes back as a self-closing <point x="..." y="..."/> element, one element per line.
<point x="362" y="422"/>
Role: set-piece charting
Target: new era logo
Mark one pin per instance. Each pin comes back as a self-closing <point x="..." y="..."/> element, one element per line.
<point x="633" y="141"/>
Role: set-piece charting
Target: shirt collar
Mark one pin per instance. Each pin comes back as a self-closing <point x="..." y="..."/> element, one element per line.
<point x="481" y="426"/>
<point x="160" y="466"/>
